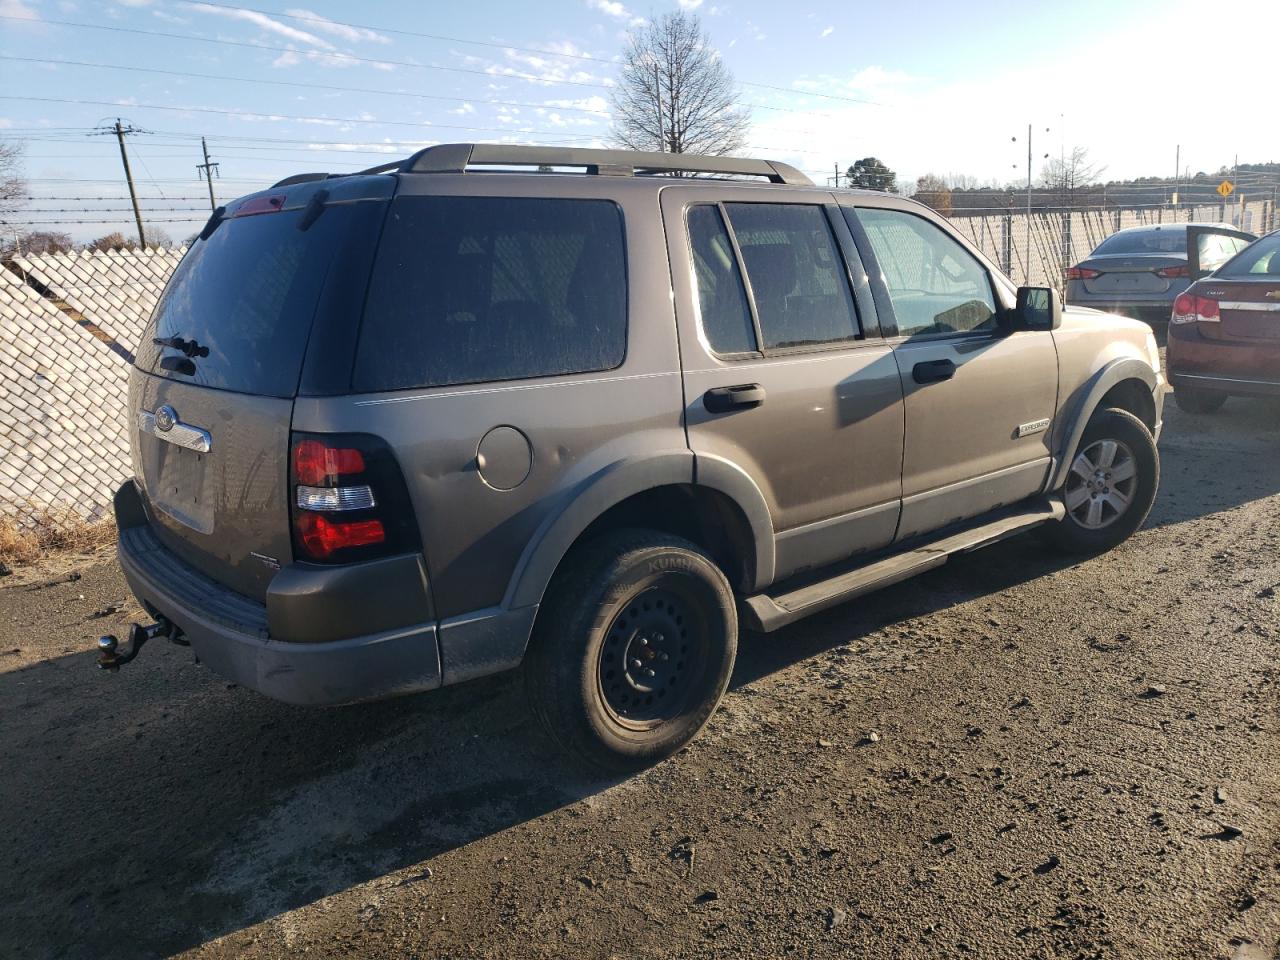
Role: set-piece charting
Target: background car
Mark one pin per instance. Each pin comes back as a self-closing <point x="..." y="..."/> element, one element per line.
<point x="1139" y="272"/>
<point x="1224" y="333"/>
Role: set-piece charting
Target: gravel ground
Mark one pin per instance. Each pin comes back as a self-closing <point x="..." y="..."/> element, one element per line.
<point x="1012" y="756"/>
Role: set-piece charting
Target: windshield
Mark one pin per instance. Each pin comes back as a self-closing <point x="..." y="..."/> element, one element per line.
<point x="1259" y="259"/>
<point x="1165" y="240"/>
<point x="238" y="311"/>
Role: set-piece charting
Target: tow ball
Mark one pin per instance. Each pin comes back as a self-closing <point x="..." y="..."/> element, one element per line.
<point x="112" y="656"/>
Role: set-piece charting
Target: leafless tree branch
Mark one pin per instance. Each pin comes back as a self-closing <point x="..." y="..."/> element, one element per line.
<point x="675" y="95"/>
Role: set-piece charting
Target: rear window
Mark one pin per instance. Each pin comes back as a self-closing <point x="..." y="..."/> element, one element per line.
<point x="1259" y="259"/>
<point x="1145" y="241"/>
<point x="248" y="295"/>
<point x="477" y="289"/>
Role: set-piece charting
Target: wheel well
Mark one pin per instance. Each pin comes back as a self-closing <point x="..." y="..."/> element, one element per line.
<point x="701" y="515"/>
<point x="1135" y="396"/>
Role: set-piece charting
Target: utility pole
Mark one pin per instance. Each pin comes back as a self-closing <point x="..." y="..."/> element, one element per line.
<point x="657" y="96"/>
<point x="120" y="131"/>
<point x="837" y="166"/>
<point x="208" y="169"/>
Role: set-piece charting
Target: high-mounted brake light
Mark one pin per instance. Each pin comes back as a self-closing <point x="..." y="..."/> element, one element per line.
<point x="1082" y="273"/>
<point x="1171" y="273"/>
<point x="258" y="205"/>
<point x="1191" y="309"/>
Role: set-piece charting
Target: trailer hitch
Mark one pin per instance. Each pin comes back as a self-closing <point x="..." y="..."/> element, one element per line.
<point x="112" y="656"/>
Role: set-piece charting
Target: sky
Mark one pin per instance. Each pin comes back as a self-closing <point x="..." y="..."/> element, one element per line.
<point x="283" y="86"/>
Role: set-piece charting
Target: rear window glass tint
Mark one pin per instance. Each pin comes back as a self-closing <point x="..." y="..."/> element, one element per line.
<point x="478" y="289"/>
<point x="1145" y="241"/>
<point x="797" y="274"/>
<point x="1262" y="258"/>
<point x="248" y="294"/>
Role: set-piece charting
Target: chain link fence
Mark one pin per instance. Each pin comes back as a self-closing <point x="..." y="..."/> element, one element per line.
<point x="1036" y="250"/>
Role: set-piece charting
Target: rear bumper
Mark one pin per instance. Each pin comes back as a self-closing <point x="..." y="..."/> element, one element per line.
<point x="1149" y="311"/>
<point x="1232" y="366"/>
<point x="229" y="632"/>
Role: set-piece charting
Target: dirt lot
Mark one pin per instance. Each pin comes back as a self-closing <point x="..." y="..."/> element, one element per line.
<point x="1009" y="757"/>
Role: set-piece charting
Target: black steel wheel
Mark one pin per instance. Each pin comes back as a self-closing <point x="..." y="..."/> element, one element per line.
<point x="633" y="648"/>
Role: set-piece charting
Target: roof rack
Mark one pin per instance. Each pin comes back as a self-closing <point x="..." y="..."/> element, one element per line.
<point x="457" y="157"/>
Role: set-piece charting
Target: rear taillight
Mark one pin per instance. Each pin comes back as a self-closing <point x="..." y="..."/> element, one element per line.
<point x="1189" y="308"/>
<point x="1172" y="273"/>
<point x="348" y="499"/>
<point x="1081" y="273"/>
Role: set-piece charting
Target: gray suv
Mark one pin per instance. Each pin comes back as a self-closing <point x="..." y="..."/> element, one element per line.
<point x="587" y="412"/>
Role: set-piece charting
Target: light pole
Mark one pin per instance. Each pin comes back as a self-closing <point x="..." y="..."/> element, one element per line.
<point x="1026" y="276"/>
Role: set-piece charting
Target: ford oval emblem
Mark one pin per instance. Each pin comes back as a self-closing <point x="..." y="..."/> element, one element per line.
<point x="166" y="417"/>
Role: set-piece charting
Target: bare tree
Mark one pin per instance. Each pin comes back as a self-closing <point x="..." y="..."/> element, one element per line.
<point x="12" y="187"/>
<point x="934" y="191"/>
<point x="34" y="242"/>
<point x="1070" y="172"/>
<point x="675" y="95"/>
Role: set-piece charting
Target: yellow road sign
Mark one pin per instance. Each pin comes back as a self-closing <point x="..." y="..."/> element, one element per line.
<point x="1226" y="187"/>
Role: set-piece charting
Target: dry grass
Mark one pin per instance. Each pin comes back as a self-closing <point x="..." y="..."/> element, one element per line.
<point x="47" y="531"/>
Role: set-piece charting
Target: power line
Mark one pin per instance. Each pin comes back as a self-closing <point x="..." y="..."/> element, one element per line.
<point x="311" y="18"/>
<point x="312" y="86"/>
<point x="282" y="116"/>
<point x="344" y="57"/>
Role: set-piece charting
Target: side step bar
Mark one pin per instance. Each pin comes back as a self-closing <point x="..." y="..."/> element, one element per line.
<point x="765" y="613"/>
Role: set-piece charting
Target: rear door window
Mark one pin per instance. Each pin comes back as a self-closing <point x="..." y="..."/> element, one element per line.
<point x="722" y="299"/>
<point x="798" y="277"/>
<point x="248" y="295"/>
<point x="479" y="289"/>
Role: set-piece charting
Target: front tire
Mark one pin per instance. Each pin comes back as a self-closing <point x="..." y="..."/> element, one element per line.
<point x="1194" y="400"/>
<point x="633" y="649"/>
<point x="1111" y="485"/>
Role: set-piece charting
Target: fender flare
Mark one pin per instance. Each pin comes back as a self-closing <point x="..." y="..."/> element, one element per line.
<point x="1091" y="394"/>
<point x="610" y="486"/>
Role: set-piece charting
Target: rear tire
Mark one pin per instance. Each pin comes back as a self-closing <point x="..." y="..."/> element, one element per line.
<point x="633" y="649"/>
<point x="1194" y="400"/>
<point x="1112" y="483"/>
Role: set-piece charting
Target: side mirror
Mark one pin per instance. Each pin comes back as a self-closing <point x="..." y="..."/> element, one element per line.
<point x="1039" y="308"/>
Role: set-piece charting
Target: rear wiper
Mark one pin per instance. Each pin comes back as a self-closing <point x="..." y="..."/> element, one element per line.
<point x="190" y="347"/>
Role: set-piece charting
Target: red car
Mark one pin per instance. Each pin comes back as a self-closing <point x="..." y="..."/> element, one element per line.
<point x="1224" y="335"/>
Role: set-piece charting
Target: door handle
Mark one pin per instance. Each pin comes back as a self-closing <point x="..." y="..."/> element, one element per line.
<point x="723" y="399"/>
<point x="931" y="371"/>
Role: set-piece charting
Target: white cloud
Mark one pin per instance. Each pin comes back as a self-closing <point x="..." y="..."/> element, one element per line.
<point x="265" y="22"/>
<point x="353" y="34"/>
<point x="595" y="104"/>
<point x="612" y="8"/>
<point x="135" y="3"/>
<point x="287" y="59"/>
<point x="464" y="110"/>
<point x="5" y="122"/>
<point x="827" y="31"/>
<point x="690" y="4"/>
<point x="18" y="10"/>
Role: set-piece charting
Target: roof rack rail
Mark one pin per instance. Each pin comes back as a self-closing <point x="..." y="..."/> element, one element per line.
<point x="457" y="157"/>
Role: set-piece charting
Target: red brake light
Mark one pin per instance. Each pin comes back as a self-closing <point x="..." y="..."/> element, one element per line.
<point x="1081" y="273"/>
<point x="1170" y="273"/>
<point x="1184" y="309"/>
<point x="1189" y="308"/>
<point x="320" y="536"/>
<point x="318" y="465"/>
<point x="251" y="208"/>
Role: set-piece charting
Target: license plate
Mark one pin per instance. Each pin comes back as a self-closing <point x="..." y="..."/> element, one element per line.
<point x="178" y="489"/>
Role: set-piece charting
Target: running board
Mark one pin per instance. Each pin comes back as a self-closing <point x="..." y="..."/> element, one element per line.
<point x="765" y="613"/>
